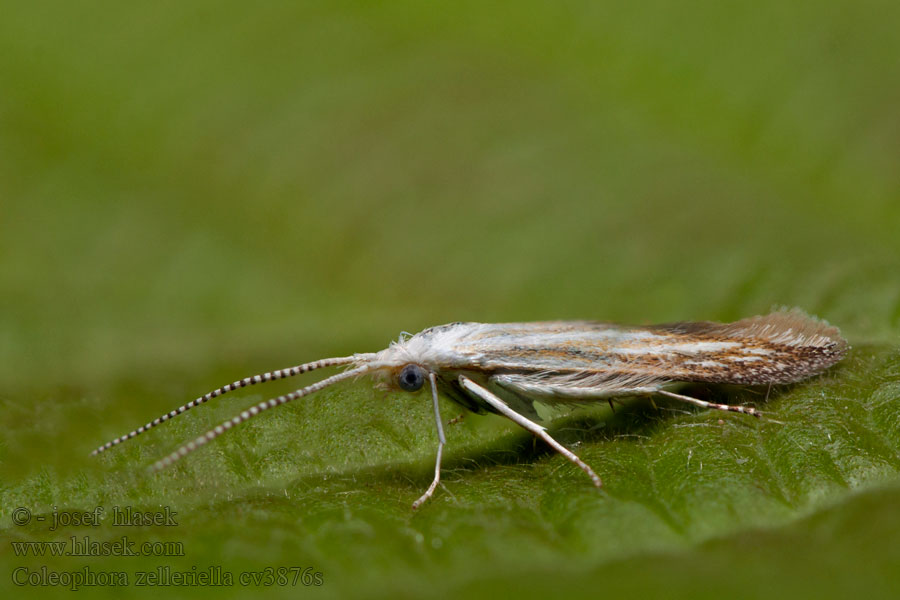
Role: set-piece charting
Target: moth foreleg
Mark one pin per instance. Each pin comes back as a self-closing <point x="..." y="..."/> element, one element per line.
<point x="441" y="441"/>
<point x="531" y="426"/>
<point x="747" y="410"/>
<point x="437" y="479"/>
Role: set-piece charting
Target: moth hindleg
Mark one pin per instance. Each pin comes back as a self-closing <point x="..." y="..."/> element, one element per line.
<point x="747" y="410"/>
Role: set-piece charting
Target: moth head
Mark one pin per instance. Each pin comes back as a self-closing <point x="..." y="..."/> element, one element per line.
<point x="411" y="377"/>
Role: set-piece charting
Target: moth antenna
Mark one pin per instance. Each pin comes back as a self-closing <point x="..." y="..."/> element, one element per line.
<point x="252" y="380"/>
<point x="252" y="412"/>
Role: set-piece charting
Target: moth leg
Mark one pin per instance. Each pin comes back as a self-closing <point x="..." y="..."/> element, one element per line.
<point x="441" y="441"/>
<point x="501" y="407"/>
<point x="613" y="401"/>
<point x="457" y="419"/>
<point x="747" y="410"/>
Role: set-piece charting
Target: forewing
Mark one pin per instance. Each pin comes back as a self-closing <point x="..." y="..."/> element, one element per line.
<point x="586" y="359"/>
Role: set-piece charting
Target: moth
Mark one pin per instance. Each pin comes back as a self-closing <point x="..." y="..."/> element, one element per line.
<point x="505" y="368"/>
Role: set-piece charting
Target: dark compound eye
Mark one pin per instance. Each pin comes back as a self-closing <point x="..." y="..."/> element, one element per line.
<point x="412" y="377"/>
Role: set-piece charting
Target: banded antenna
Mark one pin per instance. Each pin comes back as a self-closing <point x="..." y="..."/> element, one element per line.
<point x="252" y="380"/>
<point x="252" y="412"/>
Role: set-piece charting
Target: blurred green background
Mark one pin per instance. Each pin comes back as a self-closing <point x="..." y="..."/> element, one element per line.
<point x="194" y="192"/>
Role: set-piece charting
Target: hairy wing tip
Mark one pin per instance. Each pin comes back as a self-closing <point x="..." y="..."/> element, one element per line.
<point x="793" y="327"/>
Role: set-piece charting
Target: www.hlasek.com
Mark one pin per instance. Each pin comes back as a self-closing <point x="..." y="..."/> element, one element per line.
<point x="167" y="577"/>
<point x="85" y="546"/>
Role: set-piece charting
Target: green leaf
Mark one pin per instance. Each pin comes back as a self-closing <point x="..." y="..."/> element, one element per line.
<point x="192" y="193"/>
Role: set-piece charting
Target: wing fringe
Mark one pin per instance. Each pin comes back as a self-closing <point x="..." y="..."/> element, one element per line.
<point x="787" y="327"/>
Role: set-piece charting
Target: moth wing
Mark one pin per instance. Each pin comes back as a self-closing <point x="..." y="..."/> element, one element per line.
<point x="782" y="347"/>
<point x="547" y="396"/>
<point x="565" y="387"/>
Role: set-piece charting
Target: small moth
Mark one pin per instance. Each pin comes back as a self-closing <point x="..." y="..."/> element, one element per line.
<point x="505" y="368"/>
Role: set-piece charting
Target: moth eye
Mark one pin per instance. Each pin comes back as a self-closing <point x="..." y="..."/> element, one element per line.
<point x="412" y="377"/>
